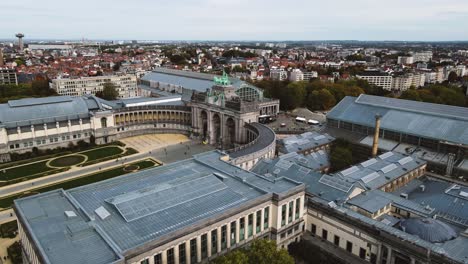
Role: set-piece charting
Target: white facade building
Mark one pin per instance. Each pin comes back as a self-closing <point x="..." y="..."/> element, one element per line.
<point x="278" y="74"/>
<point x="405" y="60"/>
<point x="8" y="76"/>
<point x="296" y="76"/>
<point x="380" y="79"/>
<point x="126" y="85"/>
<point x="424" y="56"/>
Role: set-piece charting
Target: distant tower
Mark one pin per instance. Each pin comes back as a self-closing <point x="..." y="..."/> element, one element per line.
<point x="375" y="145"/>
<point x="20" y="37"/>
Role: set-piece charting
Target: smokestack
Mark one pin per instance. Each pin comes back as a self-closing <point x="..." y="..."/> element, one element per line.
<point x="2" y="63"/>
<point x="375" y="145"/>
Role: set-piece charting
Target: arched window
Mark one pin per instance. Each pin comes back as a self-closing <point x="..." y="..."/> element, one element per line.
<point x="104" y="122"/>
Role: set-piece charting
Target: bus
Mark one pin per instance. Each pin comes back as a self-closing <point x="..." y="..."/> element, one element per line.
<point x="301" y="120"/>
<point x="313" y="122"/>
<point x="264" y="119"/>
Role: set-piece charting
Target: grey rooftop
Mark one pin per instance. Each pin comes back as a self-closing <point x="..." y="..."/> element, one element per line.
<point x="308" y="140"/>
<point x="151" y="206"/>
<point x="427" y="120"/>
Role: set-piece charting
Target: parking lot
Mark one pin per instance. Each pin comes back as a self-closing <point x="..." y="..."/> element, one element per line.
<point x="292" y="126"/>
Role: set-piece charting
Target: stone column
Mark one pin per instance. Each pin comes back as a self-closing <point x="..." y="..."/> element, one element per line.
<point x="176" y="254"/>
<point x="262" y="214"/>
<point x="209" y="244"/>
<point x="237" y="231"/>
<point x="199" y="249"/>
<point x="254" y="225"/>
<point x="228" y="234"/>
<point x="219" y="238"/>
<point x="164" y="257"/>
<point x="187" y="251"/>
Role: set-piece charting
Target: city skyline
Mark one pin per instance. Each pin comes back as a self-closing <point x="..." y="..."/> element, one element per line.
<point x="420" y="20"/>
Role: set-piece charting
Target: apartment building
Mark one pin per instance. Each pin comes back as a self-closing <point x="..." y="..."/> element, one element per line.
<point x="278" y="74"/>
<point x="403" y="82"/>
<point x="296" y="76"/>
<point x="126" y="85"/>
<point x="8" y="76"/>
<point x="381" y="79"/>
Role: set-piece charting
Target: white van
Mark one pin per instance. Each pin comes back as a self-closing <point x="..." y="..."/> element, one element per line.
<point x="301" y="120"/>
<point x="313" y="122"/>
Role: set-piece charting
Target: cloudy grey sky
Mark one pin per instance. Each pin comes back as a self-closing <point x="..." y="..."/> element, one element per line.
<point x="236" y="19"/>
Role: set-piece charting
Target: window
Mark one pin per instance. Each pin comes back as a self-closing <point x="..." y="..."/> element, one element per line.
<point x="290" y="213"/>
<point x="250" y="225"/>
<point x="103" y="122"/>
<point x="258" y="224"/>
<point x="349" y="246"/>
<point x="241" y="229"/>
<point x="233" y="233"/>
<point x="223" y="237"/>
<point x="214" y="242"/>
<point x="170" y="256"/>
<point x="313" y="229"/>
<point x="145" y="261"/>
<point x="283" y="215"/>
<point x="298" y="205"/>
<point x="324" y="234"/>
<point x="362" y="253"/>
<point x="266" y="215"/>
<point x="204" y="246"/>
<point x="336" y="240"/>
<point x="193" y="251"/>
<point x="182" y="255"/>
<point x="158" y="259"/>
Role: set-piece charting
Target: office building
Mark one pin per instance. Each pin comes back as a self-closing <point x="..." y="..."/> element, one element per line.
<point x="126" y="85"/>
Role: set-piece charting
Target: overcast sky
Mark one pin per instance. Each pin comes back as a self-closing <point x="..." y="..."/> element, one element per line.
<point x="236" y="19"/>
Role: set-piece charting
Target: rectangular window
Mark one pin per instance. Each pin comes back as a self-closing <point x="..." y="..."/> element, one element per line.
<point x="313" y="229"/>
<point x="214" y="242"/>
<point x="290" y="213"/>
<point x="324" y="234"/>
<point x="204" y="246"/>
<point x="233" y="233"/>
<point x="266" y="217"/>
<point x="158" y="259"/>
<point x="250" y="225"/>
<point x="182" y="255"/>
<point x="145" y="261"/>
<point x="170" y="256"/>
<point x="362" y="253"/>
<point x="259" y="222"/>
<point x="336" y="240"/>
<point x="349" y="246"/>
<point x="298" y="208"/>
<point x="223" y="237"/>
<point x="193" y="251"/>
<point x="283" y="215"/>
<point x="241" y="229"/>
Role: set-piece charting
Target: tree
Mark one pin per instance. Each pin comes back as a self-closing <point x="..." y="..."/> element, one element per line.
<point x="261" y="251"/>
<point x="453" y="77"/>
<point x="292" y="96"/>
<point x="320" y="100"/>
<point x="109" y="92"/>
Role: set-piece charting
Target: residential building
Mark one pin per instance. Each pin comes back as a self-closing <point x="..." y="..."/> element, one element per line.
<point x="402" y="82"/>
<point x="278" y="74"/>
<point x="296" y="76"/>
<point x="309" y="75"/>
<point x="405" y="60"/>
<point x="381" y="79"/>
<point x="8" y="76"/>
<point x="423" y="56"/>
<point x="126" y="85"/>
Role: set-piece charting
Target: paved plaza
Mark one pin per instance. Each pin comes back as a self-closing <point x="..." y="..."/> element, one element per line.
<point x="145" y="143"/>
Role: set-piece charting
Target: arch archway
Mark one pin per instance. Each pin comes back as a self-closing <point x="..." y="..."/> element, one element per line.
<point x="230" y="135"/>
<point x="204" y="123"/>
<point x="216" y="128"/>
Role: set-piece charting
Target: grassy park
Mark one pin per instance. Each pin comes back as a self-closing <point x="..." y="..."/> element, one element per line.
<point x="19" y="172"/>
<point x="7" y="202"/>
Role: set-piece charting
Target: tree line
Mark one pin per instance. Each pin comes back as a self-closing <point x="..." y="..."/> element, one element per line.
<point x="316" y="95"/>
<point x="37" y="88"/>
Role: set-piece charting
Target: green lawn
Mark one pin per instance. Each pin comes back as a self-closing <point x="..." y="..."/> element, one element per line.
<point x="7" y="202"/>
<point x="101" y="153"/>
<point x="22" y="171"/>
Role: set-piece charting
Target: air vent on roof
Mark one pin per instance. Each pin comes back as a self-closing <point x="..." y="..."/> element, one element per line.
<point x="70" y="214"/>
<point x="404" y="195"/>
<point x="405" y="160"/>
<point x="464" y="194"/>
<point x="102" y="213"/>
<point x="220" y="176"/>
<point x="386" y="155"/>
